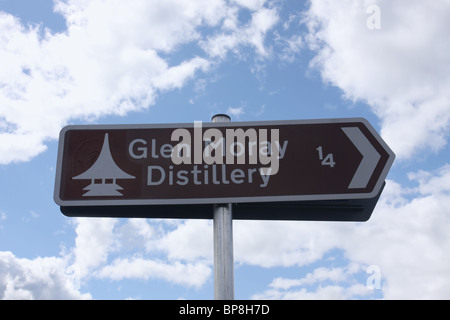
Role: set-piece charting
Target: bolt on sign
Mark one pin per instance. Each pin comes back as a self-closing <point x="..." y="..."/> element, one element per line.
<point x="209" y="163"/>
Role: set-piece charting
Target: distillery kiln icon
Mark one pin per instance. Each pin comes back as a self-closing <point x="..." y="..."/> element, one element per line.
<point x="103" y="175"/>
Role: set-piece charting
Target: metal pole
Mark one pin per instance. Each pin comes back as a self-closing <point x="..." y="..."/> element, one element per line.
<point x="223" y="244"/>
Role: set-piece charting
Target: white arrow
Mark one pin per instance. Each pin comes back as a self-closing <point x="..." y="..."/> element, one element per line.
<point x="369" y="161"/>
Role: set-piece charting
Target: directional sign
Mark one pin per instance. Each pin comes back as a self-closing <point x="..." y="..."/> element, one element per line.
<point x="208" y="163"/>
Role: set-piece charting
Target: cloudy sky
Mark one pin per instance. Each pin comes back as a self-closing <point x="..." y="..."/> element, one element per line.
<point x="150" y="61"/>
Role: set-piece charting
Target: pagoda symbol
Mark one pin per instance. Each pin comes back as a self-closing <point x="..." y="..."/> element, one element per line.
<point x="103" y="175"/>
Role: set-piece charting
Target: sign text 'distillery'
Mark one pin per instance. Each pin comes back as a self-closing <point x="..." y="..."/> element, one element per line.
<point x="218" y="163"/>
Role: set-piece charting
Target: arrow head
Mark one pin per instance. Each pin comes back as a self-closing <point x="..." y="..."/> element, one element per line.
<point x="369" y="161"/>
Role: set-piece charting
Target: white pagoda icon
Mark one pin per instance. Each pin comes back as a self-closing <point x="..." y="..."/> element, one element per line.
<point x="103" y="175"/>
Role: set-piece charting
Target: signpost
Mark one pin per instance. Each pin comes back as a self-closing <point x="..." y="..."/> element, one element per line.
<point x="322" y="170"/>
<point x="223" y="244"/>
<point x="255" y="162"/>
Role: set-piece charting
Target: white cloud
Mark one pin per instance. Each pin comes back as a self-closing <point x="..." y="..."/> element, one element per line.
<point x="252" y="34"/>
<point x="135" y="235"/>
<point x="332" y="292"/>
<point x="195" y="274"/>
<point x="320" y="274"/>
<point x="290" y="47"/>
<point x="312" y="286"/>
<point x="175" y="77"/>
<point x="187" y="251"/>
<point x="192" y="240"/>
<point x="250" y="4"/>
<point x="401" y="70"/>
<point x="281" y="243"/>
<point x="38" y="279"/>
<point x="113" y="58"/>
<point x="237" y="112"/>
<point x="433" y="182"/>
<point x="2" y="216"/>
<point x="93" y="243"/>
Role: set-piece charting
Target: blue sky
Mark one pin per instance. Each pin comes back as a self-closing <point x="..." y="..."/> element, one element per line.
<point x="107" y="62"/>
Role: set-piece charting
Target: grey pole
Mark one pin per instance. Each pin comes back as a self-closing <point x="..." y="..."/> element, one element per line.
<point x="223" y="244"/>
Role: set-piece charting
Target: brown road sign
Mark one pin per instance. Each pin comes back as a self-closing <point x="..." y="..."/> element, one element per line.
<point x="208" y="163"/>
